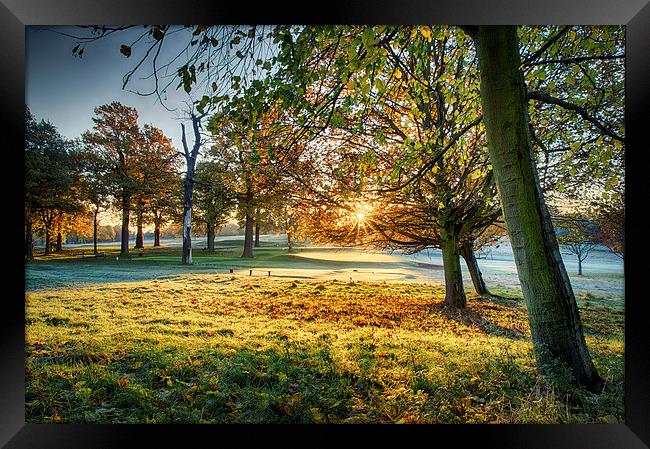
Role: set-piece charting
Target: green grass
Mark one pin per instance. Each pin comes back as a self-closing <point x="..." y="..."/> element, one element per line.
<point x="204" y="347"/>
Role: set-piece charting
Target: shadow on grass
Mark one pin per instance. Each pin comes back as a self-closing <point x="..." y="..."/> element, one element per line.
<point x="477" y="318"/>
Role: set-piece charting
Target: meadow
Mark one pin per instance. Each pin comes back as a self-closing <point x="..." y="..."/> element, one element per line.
<point x="148" y="340"/>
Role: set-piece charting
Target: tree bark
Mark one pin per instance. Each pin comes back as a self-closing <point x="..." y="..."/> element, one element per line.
<point x="210" y="237"/>
<point x="257" y="235"/>
<point x="188" y="187"/>
<point x="579" y="266"/>
<point x="95" y="213"/>
<point x="29" y="238"/>
<point x="59" y="237"/>
<point x="48" y="243"/>
<point x="248" y="237"/>
<point x="454" y="290"/>
<point x="124" y="245"/>
<point x="139" y="235"/>
<point x="552" y="310"/>
<point x="156" y="234"/>
<point x="290" y="239"/>
<point x="474" y="271"/>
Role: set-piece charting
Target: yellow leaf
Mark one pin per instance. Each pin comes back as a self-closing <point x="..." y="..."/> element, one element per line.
<point x="426" y="32"/>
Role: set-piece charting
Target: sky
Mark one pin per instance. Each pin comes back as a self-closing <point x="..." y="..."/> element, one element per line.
<point x="65" y="89"/>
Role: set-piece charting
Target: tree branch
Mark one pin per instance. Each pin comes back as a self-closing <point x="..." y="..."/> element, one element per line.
<point x="545" y="98"/>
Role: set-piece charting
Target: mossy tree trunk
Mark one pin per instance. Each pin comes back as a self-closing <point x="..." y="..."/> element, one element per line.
<point x="454" y="290"/>
<point x="552" y="310"/>
<point x="467" y="252"/>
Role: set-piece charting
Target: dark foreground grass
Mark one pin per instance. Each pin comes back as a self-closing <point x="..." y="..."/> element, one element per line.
<point x="218" y="348"/>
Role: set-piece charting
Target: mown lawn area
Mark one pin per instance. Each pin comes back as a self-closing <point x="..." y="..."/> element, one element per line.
<point x="223" y="348"/>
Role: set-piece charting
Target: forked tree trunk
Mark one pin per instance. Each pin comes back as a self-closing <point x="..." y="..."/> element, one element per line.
<point x="257" y="235"/>
<point x="472" y="266"/>
<point x="124" y="245"/>
<point x="248" y="237"/>
<point x="210" y="237"/>
<point x="454" y="290"/>
<point x="552" y="311"/>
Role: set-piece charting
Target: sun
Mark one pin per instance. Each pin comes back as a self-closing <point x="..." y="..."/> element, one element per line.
<point x="361" y="212"/>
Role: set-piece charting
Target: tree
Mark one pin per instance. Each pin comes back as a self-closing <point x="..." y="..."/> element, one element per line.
<point x="157" y="178"/>
<point x="167" y="204"/>
<point x="117" y="141"/>
<point x="610" y="219"/>
<point x="404" y="154"/>
<point x="246" y="135"/>
<point x="553" y="313"/>
<point x="213" y="201"/>
<point x="49" y="178"/>
<point x="94" y="186"/>
<point x="578" y="236"/>
<point x="191" y="156"/>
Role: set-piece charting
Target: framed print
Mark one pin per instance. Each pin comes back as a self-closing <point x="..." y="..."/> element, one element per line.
<point x="226" y="225"/>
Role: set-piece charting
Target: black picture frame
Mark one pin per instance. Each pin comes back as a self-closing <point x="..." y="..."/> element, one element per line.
<point x="16" y="14"/>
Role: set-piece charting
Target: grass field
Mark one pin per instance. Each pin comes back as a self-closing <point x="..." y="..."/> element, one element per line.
<point x="150" y="341"/>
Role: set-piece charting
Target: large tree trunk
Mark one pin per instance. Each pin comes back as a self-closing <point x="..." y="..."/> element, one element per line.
<point x="95" y="213"/>
<point x="553" y="314"/>
<point x="29" y="238"/>
<point x="248" y="237"/>
<point x="257" y="235"/>
<point x="472" y="265"/>
<point x="210" y="237"/>
<point x="124" y="245"/>
<point x="139" y="235"/>
<point x="188" y="187"/>
<point x="454" y="290"/>
<point x="579" y="266"/>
